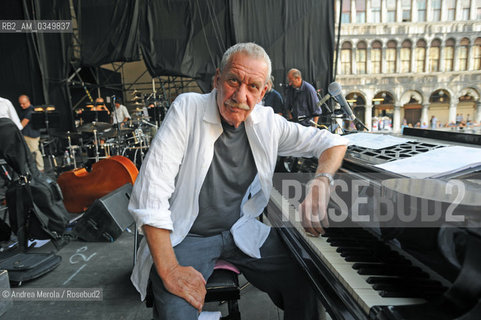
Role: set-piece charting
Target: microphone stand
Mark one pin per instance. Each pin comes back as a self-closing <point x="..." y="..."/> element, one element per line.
<point x="114" y="116"/>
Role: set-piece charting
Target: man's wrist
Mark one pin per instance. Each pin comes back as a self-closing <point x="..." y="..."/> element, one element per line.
<point x="325" y="176"/>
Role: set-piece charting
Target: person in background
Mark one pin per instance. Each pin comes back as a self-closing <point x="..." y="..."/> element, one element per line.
<point x="301" y="99"/>
<point x="120" y="114"/>
<point x="7" y="110"/>
<point x="31" y="135"/>
<point x="434" y="122"/>
<point x="273" y="98"/>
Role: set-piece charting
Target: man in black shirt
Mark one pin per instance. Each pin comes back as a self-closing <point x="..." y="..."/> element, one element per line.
<point x="32" y="136"/>
<point x="273" y="99"/>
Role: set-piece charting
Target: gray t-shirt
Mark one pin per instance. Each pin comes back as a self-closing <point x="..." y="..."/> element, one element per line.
<point x="230" y="174"/>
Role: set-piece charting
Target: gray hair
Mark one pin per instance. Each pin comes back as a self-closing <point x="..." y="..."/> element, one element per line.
<point x="295" y="73"/>
<point x="252" y="50"/>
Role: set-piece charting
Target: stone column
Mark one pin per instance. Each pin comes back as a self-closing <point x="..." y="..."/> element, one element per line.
<point x="368" y="59"/>
<point x="441" y="57"/>
<point x="353" y="60"/>
<point x="424" y="114"/>
<point x="452" y="112"/>
<point x="477" y="112"/>
<point x="413" y="57"/>
<point x="368" y="117"/>
<point x="396" y="121"/>
<point x="383" y="59"/>
<point x="426" y="59"/>
<point x="398" y="58"/>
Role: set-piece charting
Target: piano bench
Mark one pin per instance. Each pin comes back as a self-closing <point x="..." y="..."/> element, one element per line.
<point x="223" y="285"/>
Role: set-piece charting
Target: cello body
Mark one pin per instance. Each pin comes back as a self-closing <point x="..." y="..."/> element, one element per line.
<point x="81" y="188"/>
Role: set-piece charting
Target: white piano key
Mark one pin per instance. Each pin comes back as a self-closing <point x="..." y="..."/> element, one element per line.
<point x="355" y="283"/>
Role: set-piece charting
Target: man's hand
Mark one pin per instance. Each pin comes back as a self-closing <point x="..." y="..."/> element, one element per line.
<point x="314" y="207"/>
<point x="187" y="283"/>
<point x="184" y="282"/>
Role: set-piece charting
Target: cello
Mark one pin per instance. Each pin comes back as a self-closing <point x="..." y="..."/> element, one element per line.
<point x="81" y="188"/>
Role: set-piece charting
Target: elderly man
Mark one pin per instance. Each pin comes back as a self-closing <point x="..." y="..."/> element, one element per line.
<point x="301" y="99"/>
<point x="31" y="135"/>
<point x="206" y="178"/>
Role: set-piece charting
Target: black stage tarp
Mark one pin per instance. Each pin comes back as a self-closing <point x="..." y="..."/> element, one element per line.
<point x="108" y="31"/>
<point x="36" y="64"/>
<point x="188" y="37"/>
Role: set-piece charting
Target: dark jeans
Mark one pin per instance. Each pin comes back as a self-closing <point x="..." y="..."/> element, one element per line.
<point x="275" y="273"/>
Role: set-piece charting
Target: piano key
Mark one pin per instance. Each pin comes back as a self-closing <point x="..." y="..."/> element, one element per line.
<point x="356" y="284"/>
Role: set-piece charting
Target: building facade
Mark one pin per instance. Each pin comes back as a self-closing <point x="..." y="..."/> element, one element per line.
<point x="409" y="61"/>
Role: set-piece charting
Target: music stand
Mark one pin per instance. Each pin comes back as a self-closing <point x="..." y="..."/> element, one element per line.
<point x="45" y="117"/>
<point x="95" y="116"/>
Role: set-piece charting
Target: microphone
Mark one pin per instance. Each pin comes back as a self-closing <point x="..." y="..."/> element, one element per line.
<point x="335" y="91"/>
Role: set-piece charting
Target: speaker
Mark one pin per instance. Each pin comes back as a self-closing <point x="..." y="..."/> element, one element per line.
<point x="107" y="217"/>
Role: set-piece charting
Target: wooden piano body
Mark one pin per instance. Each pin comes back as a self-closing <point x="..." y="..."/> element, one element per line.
<point x="370" y="271"/>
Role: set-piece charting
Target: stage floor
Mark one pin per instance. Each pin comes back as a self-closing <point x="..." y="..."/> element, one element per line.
<point x="107" y="266"/>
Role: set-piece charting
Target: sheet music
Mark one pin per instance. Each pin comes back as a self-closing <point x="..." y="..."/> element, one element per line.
<point x="374" y="141"/>
<point x="436" y="162"/>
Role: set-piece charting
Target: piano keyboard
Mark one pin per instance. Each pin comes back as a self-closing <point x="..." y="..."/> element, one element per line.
<point x="373" y="273"/>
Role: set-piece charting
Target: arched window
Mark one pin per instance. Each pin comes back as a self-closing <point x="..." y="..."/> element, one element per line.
<point x="360" y="11"/>
<point x="421" y="10"/>
<point x="406" y="56"/>
<point x="477" y="54"/>
<point x="434" y="55"/>
<point x="346" y="65"/>
<point x="391" y="57"/>
<point x="449" y="55"/>
<point x="463" y="54"/>
<point x="420" y="55"/>
<point x="376" y="55"/>
<point x="361" y="57"/>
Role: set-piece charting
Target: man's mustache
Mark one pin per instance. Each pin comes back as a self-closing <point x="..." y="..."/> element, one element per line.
<point x="234" y="104"/>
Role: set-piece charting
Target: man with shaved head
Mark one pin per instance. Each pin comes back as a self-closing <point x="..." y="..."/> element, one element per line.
<point x="31" y="135"/>
<point x="205" y="180"/>
<point x="301" y="99"/>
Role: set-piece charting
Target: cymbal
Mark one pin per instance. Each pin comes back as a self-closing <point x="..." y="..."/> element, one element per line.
<point x="139" y="117"/>
<point x="67" y="134"/>
<point x="99" y="126"/>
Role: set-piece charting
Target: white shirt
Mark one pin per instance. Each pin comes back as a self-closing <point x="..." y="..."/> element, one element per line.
<point x="7" y="110"/>
<point x="120" y="114"/>
<point x="166" y="192"/>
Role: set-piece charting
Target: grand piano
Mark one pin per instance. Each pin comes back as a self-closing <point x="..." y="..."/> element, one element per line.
<point x="389" y="269"/>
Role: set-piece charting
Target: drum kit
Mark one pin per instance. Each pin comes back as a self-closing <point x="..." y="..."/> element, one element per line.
<point x="130" y="139"/>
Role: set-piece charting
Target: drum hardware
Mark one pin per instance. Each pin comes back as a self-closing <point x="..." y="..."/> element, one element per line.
<point x="95" y="126"/>
<point x="71" y="149"/>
